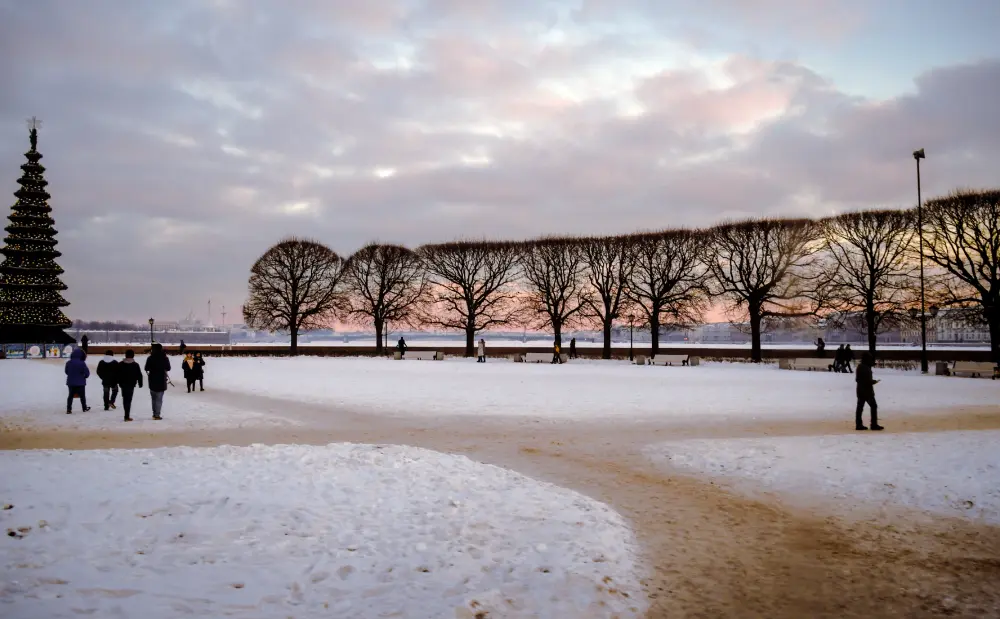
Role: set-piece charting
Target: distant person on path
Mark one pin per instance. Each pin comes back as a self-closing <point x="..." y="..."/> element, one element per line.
<point x="556" y="357"/>
<point x="187" y="366"/>
<point x="481" y="351"/>
<point x="572" y="348"/>
<point x="182" y="347"/>
<point x="849" y="359"/>
<point x="838" y="359"/>
<point x="107" y="371"/>
<point x="866" y="392"/>
<point x="129" y="375"/>
<point x="401" y="346"/>
<point x="84" y="343"/>
<point x="77" y="373"/>
<point x="157" y="366"/>
<point x="199" y="370"/>
<point x="820" y="348"/>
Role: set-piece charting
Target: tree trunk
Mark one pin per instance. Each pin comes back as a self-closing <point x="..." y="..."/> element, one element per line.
<point x="755" y="318"/>
<point x="606" y="351"/>
<point x="557" y="328"/>
<point x="872" y="334"/>
<point x="295" y="340"/>
<point x="654" y="331"/>
<point x="378" y="337"/>
<point x="470" y="339"/>
<point x="993" y="320"/>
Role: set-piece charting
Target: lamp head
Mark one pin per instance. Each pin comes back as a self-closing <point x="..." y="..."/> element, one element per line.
<point x="934" y="309"/>
<point x="913" y="312"/>
<point x="151" y="322"/>
<point x="919" y="154"/>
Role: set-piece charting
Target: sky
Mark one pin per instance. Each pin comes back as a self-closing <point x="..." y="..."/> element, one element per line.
<point x="183" y="138"/>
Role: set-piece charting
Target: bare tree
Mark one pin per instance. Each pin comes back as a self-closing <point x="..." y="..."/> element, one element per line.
<point x="768" y="268"/>
<point x="610" y="264"/>
<point x="384" y="283"/>
<point x="668" y="280"/>
<point x="872" y="273"/>
<point x="963" y="239"/>
<point x="293" y="286"/>
<point x="472" y="286"/>
<point x="554" y="271"/>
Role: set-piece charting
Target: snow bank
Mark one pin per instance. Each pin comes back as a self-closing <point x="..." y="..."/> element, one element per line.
<point x="595" y="389"/>
<point x="337" y="531"/>
<point x="949" y="473"/>
<point x="33" y="395"/>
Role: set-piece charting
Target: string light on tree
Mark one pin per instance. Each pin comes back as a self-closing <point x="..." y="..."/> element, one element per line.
<point x="30" y="288"/>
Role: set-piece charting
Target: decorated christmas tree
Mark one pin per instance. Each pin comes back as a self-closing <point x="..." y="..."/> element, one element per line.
<point x="30" y="288"/>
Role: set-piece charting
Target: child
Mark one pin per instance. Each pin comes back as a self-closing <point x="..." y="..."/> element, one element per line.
<point x="77" y="373"/>
<point x="107" y="371"/>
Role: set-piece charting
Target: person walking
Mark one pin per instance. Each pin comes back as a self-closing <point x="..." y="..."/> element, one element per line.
<point x="187" y="366"/>
<point x="401" y="347"/>
<point x="84" y="344"/>
<point x="849" y="359"/>
<point x="157" y="366"/>
<point x="866" y="392"/>
<point x="556" y="356"/>
<point x="77" y="373"/>
<point x="107" y="371"/>
<point x="481" y="352"/>
<point x="820" y="348"/>
<point x="838" y="359"/>
<point x="572" y="348"/>
<point x="199" y="370"/>
<point x="182" y="347"/>
<point x="129" y="375"/>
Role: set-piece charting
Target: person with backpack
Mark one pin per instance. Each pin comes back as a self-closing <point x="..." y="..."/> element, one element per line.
<point x="157" y="366"/>
<point x="866" y="392"/>
<point x="129" y="375"/>
<point x="107" y="371"/>
<point x="77" y="374"/>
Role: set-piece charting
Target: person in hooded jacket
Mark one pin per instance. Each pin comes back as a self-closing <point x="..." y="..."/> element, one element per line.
<point x="107" y="371"/>
<point x="129" y="375"/>
<point x="77" y="374"/>
<point x="187" y="366"/>
<point x="157" y="366"/>
<point x="866" y="392"/>
<point x="199" y="370"/>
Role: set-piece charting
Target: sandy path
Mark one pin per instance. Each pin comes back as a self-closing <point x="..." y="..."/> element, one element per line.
<point x="708" y="551"/>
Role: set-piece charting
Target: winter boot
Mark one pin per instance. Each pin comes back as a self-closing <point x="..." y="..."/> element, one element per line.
<point x="875" y="426"/>
<point x="861" y="427"/>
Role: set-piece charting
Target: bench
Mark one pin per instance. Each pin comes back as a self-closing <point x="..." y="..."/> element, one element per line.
<point x="419" y="355"/>
<point x="673" y="360"/>
<point x="542" y="357"/>
<point x="975" y="369"/>
<point x="810" y="364"/>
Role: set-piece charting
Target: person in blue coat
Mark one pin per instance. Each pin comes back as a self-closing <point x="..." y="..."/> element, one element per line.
<point x="77" y="374"/>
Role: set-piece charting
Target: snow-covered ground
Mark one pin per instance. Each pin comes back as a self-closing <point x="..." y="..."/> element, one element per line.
<point x="586" y="389"/>
<point x="337" y="531"/>
<point x="950" y="473"/>
<point x="33" y="394"/>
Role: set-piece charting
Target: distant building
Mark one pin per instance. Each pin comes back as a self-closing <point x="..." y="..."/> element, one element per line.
<point x="954" y="327"/>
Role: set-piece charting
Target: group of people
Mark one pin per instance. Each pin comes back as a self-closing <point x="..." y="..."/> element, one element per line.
<point x="843" y="357"/>
<point x="125" y="376"/>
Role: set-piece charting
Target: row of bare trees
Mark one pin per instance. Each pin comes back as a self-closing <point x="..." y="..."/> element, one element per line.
<point x="860" y="264"/>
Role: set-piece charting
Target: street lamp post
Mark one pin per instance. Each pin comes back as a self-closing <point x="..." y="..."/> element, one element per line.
<point x="631" y="325"/>
<point x="917" y="156"/>
<point x="151" y="321"/>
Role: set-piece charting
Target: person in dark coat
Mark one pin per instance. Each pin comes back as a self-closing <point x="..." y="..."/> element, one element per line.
<point x="572" y="348"/>
<point x="866" y="392"/>
<point x="187" y="366"/>
<point x="838" y="359"/>
<point x="182" y="347"/>
<point x="129" y="375"/>
<point x="84" y="343"/>
<point x="848" y="359"/>
<point x="77" y="374"/>
<point x="401" y="346"/>
<point x="820" y="348"/>
<point x="157" y="366"/>
<point x="199" y="370"/>
<point x="107" y="371"/>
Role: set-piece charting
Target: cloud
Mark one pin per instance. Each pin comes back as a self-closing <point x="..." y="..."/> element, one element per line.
<point x="182" y="138"/>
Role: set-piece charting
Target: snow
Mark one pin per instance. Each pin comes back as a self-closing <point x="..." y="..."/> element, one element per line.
<point x="34" y="395"/>
<point x="586" y="389"/>
<point x="275" y="531"/>
<point x="948" y="473"/>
